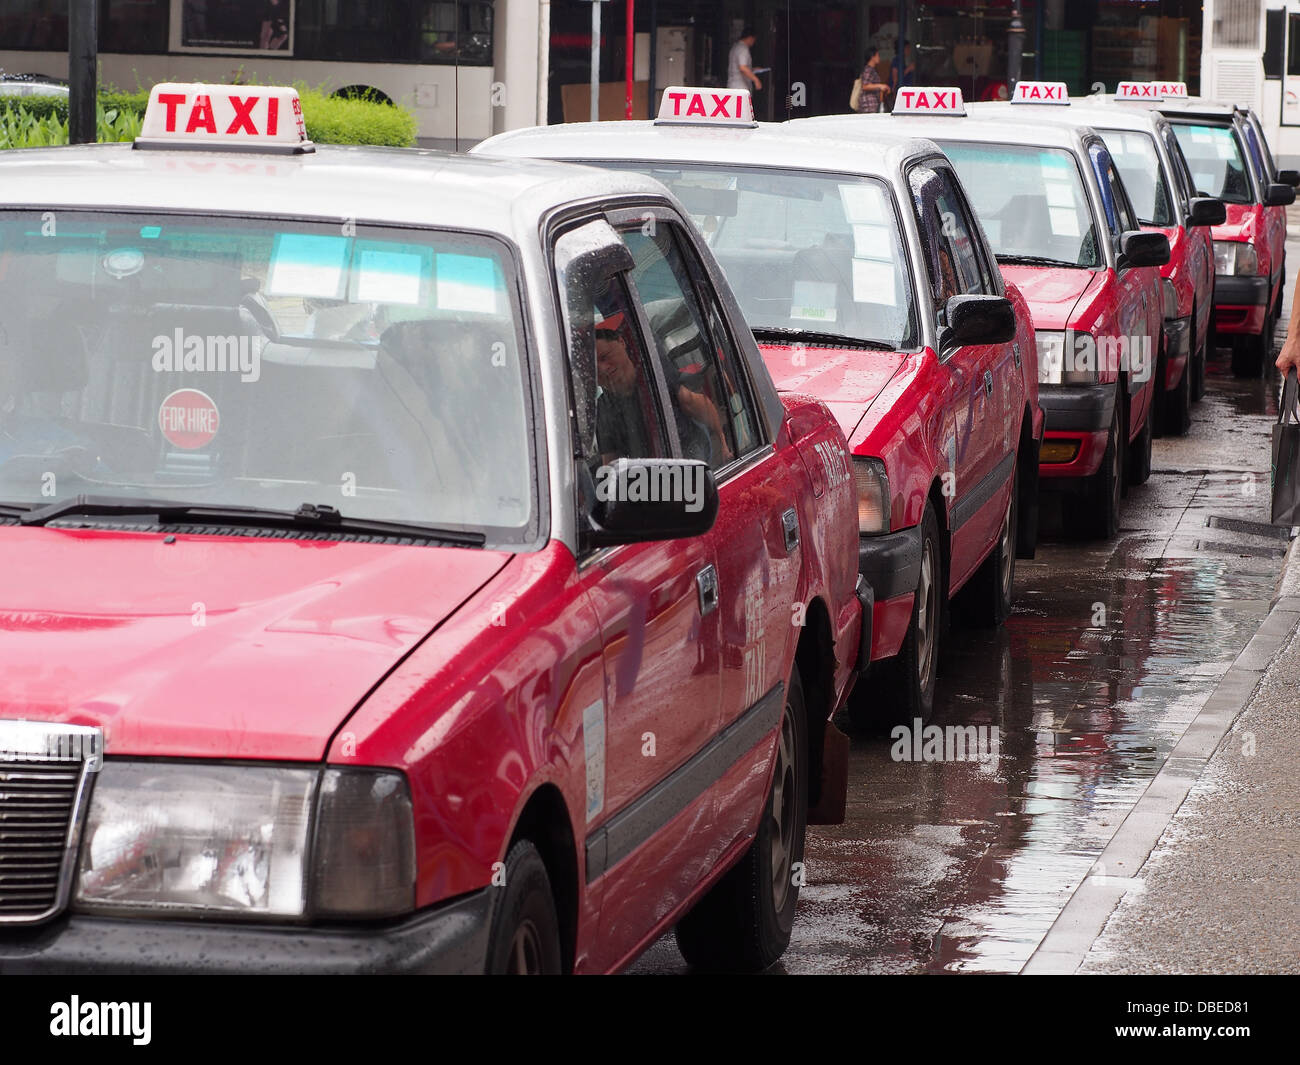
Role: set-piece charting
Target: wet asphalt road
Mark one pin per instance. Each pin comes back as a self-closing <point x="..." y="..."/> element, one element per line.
<point x="962" y="866"/>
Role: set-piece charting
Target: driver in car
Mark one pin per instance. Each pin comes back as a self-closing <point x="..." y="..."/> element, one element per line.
<point x="622" y="414"/>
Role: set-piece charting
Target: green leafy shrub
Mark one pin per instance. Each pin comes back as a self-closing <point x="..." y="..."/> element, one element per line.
<point x="42" y="121"/>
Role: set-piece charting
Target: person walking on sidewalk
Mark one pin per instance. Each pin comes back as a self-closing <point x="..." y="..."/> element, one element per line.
<point x="872" y="98"/>
<point x="740" y="69"/>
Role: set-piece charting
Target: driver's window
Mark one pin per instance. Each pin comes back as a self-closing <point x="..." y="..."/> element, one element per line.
<point x="698" y="398"/>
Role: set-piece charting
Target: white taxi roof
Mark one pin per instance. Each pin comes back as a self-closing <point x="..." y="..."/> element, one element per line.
<point x="1082" y="110"/>
<point x="769" y="144"/>
<point x="403" y="186"/>
<point x="1017" y="128"/>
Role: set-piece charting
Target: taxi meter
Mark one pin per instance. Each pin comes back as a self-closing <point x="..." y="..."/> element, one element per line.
<point x="684" y="106"/>
<point x="226" y="117"/>
<point x="929" y="101"/>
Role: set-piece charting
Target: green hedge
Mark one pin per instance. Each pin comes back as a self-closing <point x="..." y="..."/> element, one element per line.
<point x="35" y="121"/>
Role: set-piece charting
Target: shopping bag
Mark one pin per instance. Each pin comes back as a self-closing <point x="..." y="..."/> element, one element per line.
<point x="1286" y="456"/>
<point x="855" y="97"/>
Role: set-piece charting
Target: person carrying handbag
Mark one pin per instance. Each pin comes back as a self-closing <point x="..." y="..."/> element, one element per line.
<point x="869" y="90"/>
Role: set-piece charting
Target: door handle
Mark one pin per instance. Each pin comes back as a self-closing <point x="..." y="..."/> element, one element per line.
<point x="706" y="583"/>
<point x="790" y="530"/>
<point x="988" y="383"/>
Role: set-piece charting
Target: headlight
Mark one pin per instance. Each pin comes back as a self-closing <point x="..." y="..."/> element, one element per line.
<point x="873" y="495"/>
<point x="1066" y="357"/>
<point x="1051" y="356"/>
<point x="1171" y="298"/>
<point x="1235" y="258"/>
<point x="196" y="839"/>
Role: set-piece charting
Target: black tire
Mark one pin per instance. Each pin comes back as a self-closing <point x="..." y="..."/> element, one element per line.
<point x="985" y="602"/>
<point x="906" y="688"/>
<point x="1176" y="405"/>
<point x="1094" y="513"/>
<point x="1199" y="358"/>
<point x="525" y="932"/>
<point x="1138" y="452"/>
<point x="745" y="920"/>
<point x="1250" y="354"/>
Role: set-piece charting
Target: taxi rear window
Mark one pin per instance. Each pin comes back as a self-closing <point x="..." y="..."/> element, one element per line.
<point x="260" y="363"/>
<point x="802" y="250"/>
<point x="1214" y="157"/>
<point x="1030" y="200"/>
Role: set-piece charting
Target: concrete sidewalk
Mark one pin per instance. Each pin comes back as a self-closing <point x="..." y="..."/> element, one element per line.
<point x="1221" y="891"/>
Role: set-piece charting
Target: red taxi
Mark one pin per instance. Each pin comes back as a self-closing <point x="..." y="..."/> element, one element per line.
<point x="383" y="592"/>
<point x="867" y="282"/>
<point x="1065" y="233"/>
<point x="1227" y="161"/>
<point x="1155" y="174"/>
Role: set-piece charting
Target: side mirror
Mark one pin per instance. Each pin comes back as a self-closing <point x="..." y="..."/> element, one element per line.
<point x="977" y="320"/>
<point x="1206" y="211"/>
<point x="1288" y="177"/>
<point x="1140" y="248"/>
<point x="636" y="501"/>
<point x="1279" y="195"/>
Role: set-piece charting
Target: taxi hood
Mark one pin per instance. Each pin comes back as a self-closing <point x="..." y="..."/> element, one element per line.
<point x="1241" y="223"/>
<point x="847" y="380"/>
<point x="1053" y="292"/>
<point x="214" y="646"/>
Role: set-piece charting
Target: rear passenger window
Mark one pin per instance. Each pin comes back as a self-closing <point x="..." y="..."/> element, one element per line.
<point x="713" y="420"/>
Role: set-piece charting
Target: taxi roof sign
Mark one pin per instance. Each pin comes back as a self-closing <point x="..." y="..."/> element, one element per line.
<point x="928" y="100"/>
<point x="1041" y="92"/>
<point x="225" y="118"/>
<point x="1147" y="91"/>
<point x="682" y="105"/>
<point x="1172" y="90"/>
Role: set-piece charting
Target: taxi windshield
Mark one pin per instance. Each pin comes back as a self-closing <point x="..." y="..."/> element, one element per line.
<point x="1031" y="201"/>
<point x="1214" y="157"/>
<point x="803" y="251"/>
<point x="1139" y="166"/>
<point x="263" y="364"/>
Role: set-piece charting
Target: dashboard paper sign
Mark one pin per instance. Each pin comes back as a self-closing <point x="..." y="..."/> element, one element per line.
<point x="466" y="283"/>
<point x="306" y="264"/>
<point x="813" y="301"/>
<point x="188" y="419"/>
<point x="388" y="277"/>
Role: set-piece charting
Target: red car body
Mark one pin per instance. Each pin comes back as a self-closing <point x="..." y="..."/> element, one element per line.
<point x="618" y="709"/>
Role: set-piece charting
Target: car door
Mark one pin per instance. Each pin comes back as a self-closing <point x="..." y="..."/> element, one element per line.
<point x="757" y="537"/>
<point x="1133" y="332"/>
<point x="971" y="440"/>
<point x="648" y="812"/>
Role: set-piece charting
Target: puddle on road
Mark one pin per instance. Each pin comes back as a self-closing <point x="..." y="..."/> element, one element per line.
<point x="949" y="866"/>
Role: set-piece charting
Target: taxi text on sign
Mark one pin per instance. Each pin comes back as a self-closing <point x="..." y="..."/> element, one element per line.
<point x="1041" y="92"/>
<point x="928" y="101"/>
<point x="684" y="106"/>
<point x="217" y="115"/>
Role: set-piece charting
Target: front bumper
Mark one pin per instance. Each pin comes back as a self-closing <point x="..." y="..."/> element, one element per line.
<point x="890" y="565"/>
<point x="449" y="938"/>
<point x="1240" y="304"/>
<point x="1077" y="419"/>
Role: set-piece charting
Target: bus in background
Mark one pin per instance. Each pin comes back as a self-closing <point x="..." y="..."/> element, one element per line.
<point x="435" y="57"/>
<point x="1279" y="107"/>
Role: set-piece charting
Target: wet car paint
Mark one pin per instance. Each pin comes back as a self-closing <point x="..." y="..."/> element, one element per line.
<point x="963" y="866"/>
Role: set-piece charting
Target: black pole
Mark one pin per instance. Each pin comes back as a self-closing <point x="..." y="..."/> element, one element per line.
<point x="83" y="63"/>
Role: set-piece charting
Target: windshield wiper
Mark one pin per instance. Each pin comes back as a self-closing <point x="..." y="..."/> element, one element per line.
<point x="814" y="336"/>
<point x="317" y="517"/>
<point x="1035" y="260"/>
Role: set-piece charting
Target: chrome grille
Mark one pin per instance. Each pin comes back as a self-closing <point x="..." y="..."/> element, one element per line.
<point x="44" y="772"/>
<point x="36" y="804"/>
